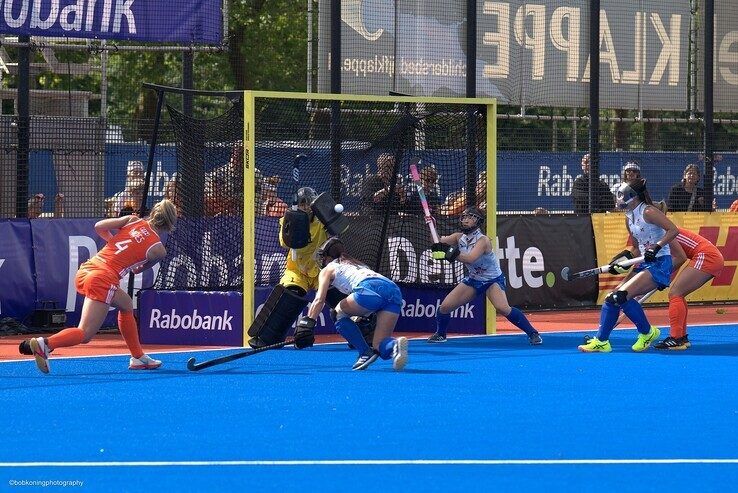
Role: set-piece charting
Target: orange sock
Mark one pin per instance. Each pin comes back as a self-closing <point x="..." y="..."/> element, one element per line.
<point x="677" y="316"/>
<point x="65" y="338"/>
<point x="129" y="330"/>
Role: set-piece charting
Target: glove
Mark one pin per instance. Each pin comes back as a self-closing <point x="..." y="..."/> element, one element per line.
<point x="616" y="269"/>
<point x="442" y="251"/>
<point x="650" y="254"/>
<point x="438" y="251"/>
<point x="305" y="333"/>
<point x="624" y="255"/>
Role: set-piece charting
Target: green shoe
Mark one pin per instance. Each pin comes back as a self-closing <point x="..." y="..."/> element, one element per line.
<point x="645" y="340"/>
<point x="595" y="345"/>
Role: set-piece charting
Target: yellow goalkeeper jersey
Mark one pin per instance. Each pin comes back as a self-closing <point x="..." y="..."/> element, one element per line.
<point x="305" y="261"/>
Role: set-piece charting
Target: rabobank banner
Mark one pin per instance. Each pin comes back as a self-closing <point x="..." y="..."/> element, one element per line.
<point x="191" y="318"/>
<point x="170" y="21"/>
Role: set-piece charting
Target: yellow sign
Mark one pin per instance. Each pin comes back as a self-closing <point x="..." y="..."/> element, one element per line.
<point x="721" y="228"/>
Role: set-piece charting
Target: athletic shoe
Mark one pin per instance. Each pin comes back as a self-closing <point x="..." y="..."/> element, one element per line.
<point x="535" y="339"/>
<point x="365" y="360"/>
<point x="685" y="341"/>
<point x="399" y="353"/>
<point x="673" y="344"/>
<point x="145" y="362"/>
<point x="41" y="353"/>
<point x="645" y="340"/>
<point x="25" y="348"/>
<point x="594" y="345"/>
<point x="437" y="338"/>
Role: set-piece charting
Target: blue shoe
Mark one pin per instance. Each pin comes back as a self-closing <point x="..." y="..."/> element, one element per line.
<point x="535" y="339"/>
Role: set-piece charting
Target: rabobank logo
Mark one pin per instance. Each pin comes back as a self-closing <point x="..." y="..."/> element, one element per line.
<point x="172" y="320"/>
<point x="420" y="309"/>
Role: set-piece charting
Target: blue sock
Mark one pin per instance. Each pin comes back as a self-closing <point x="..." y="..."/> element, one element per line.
<point x="634" y="311"/>
<point x="350" y="331"/>
<point x="442" y="320"/>
<point x="608" y="318"/>
<point x="519" y="320"/>
<point x="385" y="347"/>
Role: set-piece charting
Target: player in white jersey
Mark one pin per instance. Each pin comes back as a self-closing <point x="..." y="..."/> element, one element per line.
<point x="368" y="292"/>
<point x="474" y="250"/>
<point x="652" y="232"/>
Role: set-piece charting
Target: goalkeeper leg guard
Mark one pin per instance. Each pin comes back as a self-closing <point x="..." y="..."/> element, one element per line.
<point x="277" y="315"/>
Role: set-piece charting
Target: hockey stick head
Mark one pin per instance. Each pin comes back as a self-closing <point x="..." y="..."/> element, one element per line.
<point x="191" y="364"/>
<point x="565" y="273"/>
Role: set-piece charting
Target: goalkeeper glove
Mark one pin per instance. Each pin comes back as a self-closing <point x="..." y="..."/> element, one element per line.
<point x="305" y="333"/>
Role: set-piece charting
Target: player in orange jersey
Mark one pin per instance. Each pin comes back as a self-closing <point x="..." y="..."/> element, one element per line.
<point x="132" y="245"/>
<point x="705" y="262"/>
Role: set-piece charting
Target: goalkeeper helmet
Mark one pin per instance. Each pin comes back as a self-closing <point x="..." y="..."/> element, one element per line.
<point x="472" y="212"/>
<point x="306" y="196"/>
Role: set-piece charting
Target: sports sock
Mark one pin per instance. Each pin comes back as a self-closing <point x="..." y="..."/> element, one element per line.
<point x="65" y="338"/>
<point x="350" y="331"/>
<point x="608" y="318"/>
<point x="634" y="311"/>
<point x="677" y="316"/>
<point x="386" y="346"/>
<point x="129" y="330"/>
<point x="520" y="321"/>
<point x="442" y="321"/>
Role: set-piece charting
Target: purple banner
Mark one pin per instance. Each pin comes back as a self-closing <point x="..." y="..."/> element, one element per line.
<point x="193" y="318"/>
<point x="171" y="21"/>
<point x="17" y="290"/>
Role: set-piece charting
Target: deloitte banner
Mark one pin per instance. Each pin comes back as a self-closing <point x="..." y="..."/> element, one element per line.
<point x="172" y="21"/>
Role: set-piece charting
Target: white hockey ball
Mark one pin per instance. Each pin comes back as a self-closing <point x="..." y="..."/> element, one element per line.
<point x="338" y="208"/>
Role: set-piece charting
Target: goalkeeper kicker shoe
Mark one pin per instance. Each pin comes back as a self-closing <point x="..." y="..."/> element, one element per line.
<point x="645" y="340"/>
<point x="145" y="362"/>
<point x="594" y="345"/>
<point x="41" y="353"/>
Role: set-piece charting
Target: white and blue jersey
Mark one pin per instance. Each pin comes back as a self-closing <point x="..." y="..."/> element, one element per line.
<point x="371" y="290"/>
<point x="647" y="234"/>
<point x="484" y="271"/>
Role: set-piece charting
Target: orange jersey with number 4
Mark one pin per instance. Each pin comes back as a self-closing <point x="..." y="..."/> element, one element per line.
<point x="128" y="248"/>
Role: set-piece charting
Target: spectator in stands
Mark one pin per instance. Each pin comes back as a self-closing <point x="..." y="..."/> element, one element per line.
<point x="687" y="195"/>
<point x="376" y="188"/>
<point x="455" y="203"/>
<point x="129" y="200"/>
<point x="270" y="203"/>
<point x="733" y="206"/>
<point x="172" y="193"/>
<point x="540" y="211"/>
<point x="429" y="182"/>
<point x="631" y="171"/>
<point x="602" y="199"/>
<point x="36" y="207"/>
<point x="224" y="186"/>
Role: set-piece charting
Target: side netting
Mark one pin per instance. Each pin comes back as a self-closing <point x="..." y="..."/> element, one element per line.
<point x="360" y="151"/>
<point x="205" y="251"/>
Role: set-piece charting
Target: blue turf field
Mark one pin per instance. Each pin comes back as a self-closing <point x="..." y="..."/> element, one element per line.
<point x="472" y="407"/>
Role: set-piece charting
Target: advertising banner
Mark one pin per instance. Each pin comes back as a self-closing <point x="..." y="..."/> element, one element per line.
<point x="720" y="228"/>
<point x="191" y="318"/>
<point x="17" y="283"/>
<point x="166" y="21"/>
<point x="528" y="53"/>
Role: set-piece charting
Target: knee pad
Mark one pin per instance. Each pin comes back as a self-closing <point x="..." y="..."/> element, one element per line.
<point x="617" y="297"/>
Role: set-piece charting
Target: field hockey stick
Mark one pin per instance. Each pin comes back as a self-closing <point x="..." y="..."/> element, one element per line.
<point x="194" y="366"/>
<point x="296" y="186"/>
<point x="424" y="202"/>
<point x="567" y="276"/>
